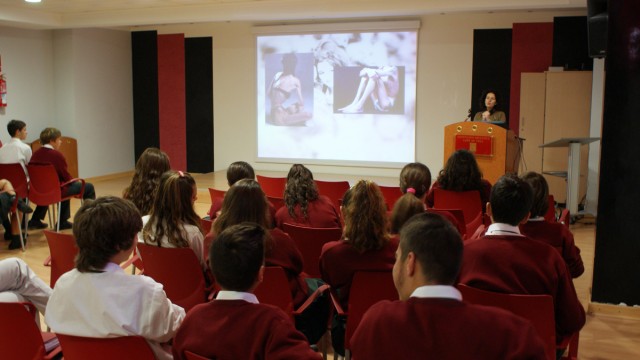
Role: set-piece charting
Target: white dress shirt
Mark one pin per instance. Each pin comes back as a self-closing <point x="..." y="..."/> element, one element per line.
<point x="237" y="295"/>
<point x="113" y="304"/>
<point x="503" y="229"/>
<point x="15" y="151"/>
<point x="437" y="291"/>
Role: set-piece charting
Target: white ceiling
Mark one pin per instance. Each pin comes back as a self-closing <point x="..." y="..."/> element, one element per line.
<point x="58" y="14"/>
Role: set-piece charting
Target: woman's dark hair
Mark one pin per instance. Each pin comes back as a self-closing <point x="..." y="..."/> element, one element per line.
<point x="172" y="210"/>
<point x="461" y="173"/>
<point x="245" y="201"/>
<point x="540" y="193"/>
<point x="404" y="209"/>
<point x="417" y="176"/>
<point x="300" y="190"/>
<point x="239" y="170"/>
<point x="145" y="182"/>
<point x="481" y="102"/>
<point x="103" y="228"/>
<point x="289" y="63"/>
<point x="365" y="217"/>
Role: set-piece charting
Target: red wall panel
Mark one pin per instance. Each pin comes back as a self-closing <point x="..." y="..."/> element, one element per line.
<point x="531" y="50"/>
<point x="171" y="99"/>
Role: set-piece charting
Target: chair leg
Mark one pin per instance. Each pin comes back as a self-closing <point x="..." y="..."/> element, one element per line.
<point x="20" y="231"/>
<point x="50" y="209"/>
<point x="58" y="216"/>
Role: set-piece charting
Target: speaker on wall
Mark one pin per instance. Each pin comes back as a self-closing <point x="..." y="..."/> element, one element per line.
<point x="597" y="18"/>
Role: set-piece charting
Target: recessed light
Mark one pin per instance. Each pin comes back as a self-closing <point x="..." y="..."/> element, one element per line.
<point x="33" y="1"/>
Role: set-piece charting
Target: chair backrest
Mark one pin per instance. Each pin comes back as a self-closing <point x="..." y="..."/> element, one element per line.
<point x="272" y="186"/>
<point x="216" y="194"/>
<point x="367" y="288"/>
<point x="276" y="201"/>
<point x="467" y="201"/>
<point x="45" y="185"/>
<point x="15" y="174"/>
<point x="310" y="241"/>
<point x="334" y="190"/>
<point x="206" y="226"/>
<point x="391" y="195"/>
<point x="63" y="250"/>
<point x="274" y="289"/>
<point x="565" y="218"/>
<point x="550" y="216"/>
<point x="538" y="309"/>
<point x="193" y="356"/>
<point x="178" y="270"/>
<point x="124" y="347"/>
<point x="20" y="338"/>
<point x="453" y="215"/>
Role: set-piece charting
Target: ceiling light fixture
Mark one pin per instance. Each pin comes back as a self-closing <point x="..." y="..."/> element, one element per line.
<point x="33" y="1"/>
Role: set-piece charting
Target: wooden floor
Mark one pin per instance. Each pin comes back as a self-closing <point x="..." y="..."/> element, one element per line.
<point x="603" y="337"/>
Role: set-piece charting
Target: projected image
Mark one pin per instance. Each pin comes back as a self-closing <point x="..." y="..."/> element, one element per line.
<point x="343" y="98"/>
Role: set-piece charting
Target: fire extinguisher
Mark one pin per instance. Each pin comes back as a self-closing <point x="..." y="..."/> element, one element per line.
<point x="3" y="87"/>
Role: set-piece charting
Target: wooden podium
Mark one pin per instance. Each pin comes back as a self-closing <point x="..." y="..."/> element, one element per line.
<point x="497" y="150"/>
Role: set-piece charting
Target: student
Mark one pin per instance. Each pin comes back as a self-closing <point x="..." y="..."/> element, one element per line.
<point x="235" y="325"/>
<point x="97" y="298"/>
<point x="172" y="222"/>
<point x="303" y="205"/>
<point x="51" y="140"/>
<point x="416" y="179"/>
<point x="430" y="321"/>
<point x="146" y="180"/>
<point x="505" y="261"/>
<point x="404" y="209"/>
<point x="16" y="151"/>
<point x="552" y="233"/>
<point x="11" y="226"/>
<point x="19" y="283"/>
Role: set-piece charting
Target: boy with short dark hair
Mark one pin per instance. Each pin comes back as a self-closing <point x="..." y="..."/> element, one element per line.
<point x="97" y="298"/>
<point x="505" y="261"/>
<point x="235" y="325"/>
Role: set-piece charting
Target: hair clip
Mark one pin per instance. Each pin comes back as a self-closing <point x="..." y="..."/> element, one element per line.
<point x="411" y="190"/>
<point x="180" y="173"/>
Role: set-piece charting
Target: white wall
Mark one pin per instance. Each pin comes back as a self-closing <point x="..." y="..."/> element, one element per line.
<point x="443" y="95"/>
<point x="78" y="81"/>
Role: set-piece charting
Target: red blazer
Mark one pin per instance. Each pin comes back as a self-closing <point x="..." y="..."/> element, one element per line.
<point x="519" y="265"/>
<point x="437" y="328"/>
<point x="558" y="236"/>
<point x="54" y="157"/>
<point x="321" y="214"/>
<point x="236" y="329"/>
<point x="339" y="261"/>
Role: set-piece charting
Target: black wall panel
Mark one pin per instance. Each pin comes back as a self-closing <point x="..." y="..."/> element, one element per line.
<point x="571" y="43"/>
<point x="199" y="97"/>
<point x="144" y="62"/>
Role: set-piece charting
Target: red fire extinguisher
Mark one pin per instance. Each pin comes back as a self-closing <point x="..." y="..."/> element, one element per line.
<point x="3" y="87"/>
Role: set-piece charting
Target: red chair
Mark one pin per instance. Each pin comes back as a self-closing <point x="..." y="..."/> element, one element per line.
<point x="310" y="241"/>
<point x="550" y="216"/>
<point x="178" y="270"/>
<point x="206" y="227"/>
<point x="334" y="190"/>
<point x="367" y="288"/>
<point x="63" y="250"/>
<point x="16" y="176"/>
<point x="46" y="190"/>
<point x="20" y="337"/>
<point x="455" y="216"/>
<point x="216" y="194"/>
<point x="124" y="347"/>
<point x="538" y="309"/>
<point x="193" y="356"/>
<point x="391" y="195"/>
<point x="467" y="201"/>
<point x="272" y="186"/>
<point x="565" y="218"/>
<point x="277" y="202"/>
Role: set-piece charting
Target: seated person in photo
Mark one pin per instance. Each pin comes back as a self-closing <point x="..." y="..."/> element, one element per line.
<point x="16" y="151"/>
<point x="235" y="325"/>
<point x="172" y="221"/>
<point x="430" y="321"/>
<point x="303" y="205"/>
<point x="505" y="261"/>
<point x="490" y="112"/>
<point x="51" y="140"/>
<point x="552" y="233"/>
<point x="98" y="299"/>
<point x="285" y="85"/>
<point x="381" y="85"/>
<point x="461" y="173"/>
<point x="18" y="283"/>
<point x="11" y="226"/>
<point x="146" y="179"/>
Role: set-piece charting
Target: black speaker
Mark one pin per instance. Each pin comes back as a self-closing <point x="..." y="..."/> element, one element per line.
<point x="597" y="19"/>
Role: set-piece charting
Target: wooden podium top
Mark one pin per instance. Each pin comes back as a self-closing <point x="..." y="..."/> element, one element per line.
<point x="495" y="148"/>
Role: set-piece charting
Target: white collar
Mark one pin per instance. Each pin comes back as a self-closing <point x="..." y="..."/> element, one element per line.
<point x="112" y="267"/>
<point x="503" y="229"/>
<point x="537" y="218"/>
<point x="437" y="291"/>
<point x="13" y="139"/>
<point x="48" y="146"/>
<point x="237" y="295"/>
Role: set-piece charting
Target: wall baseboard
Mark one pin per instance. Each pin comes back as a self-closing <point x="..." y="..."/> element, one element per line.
<point x="614" y="310"/>
<point x="110" y="176"/>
